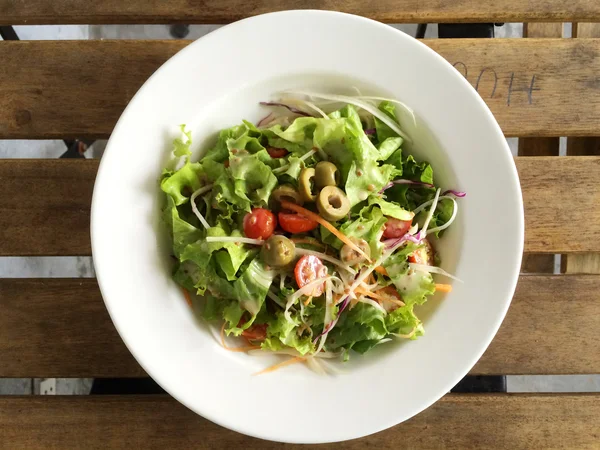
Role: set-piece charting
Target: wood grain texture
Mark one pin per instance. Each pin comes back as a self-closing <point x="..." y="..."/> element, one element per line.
<point x="476" y="421"/>
<point x="53" y="327"/>
<point x="60" y="328"/>
<point x="17" y="12"/>
<point x="45" y="206"/>
<point x="53" y="89"/>
<point x="548" y="198"/>
<point x="534" y="263"/>
<point x="589" y="262"/>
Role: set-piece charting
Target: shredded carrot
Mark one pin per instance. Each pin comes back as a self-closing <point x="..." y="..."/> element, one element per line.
<point x="381" y="298"/>
<point x="186" y="294"/>
<point x="308" y="300"/>
<point x="236" y="349"/>
<point x="336" y="298"/>
<point x="308" y="242"/>
<point x="311" y="215"/>
<point x="280" y="365"/>
<point x="381" y="270"/>
<point x="372" y="278"/>
<point x="443" y="287"/>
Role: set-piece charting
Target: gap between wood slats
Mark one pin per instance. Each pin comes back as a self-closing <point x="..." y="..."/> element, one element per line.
<point x="60" y="328"/>
<point x="62" y="89"/>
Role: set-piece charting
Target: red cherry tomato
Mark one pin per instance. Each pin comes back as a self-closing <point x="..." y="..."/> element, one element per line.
<point x="277" y="152"/>
<point x="395" y="228"/>
<point x="295" y="223"/>
<point x="259" y="223"/>
<point x="424" y="255"/>
<point x="308" y="269"/>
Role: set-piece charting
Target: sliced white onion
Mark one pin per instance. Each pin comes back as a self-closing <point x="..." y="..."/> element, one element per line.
<point x="240" y="239"/>
<point x="276" y="299"/>
<point x="315" y="366"/>
<point x="304" y="290"/>
<point x="406" y="336"/>
<point x="324" y="257"/>
<point x="391" y="100"/>
<point x="282" y="281"/>
<point x="307" y="155"/>
<point x="327" y="318"/>
<point x="198" y="192"/>
<point x="356" y="102"/>
<point x="373" y="303"/>
<point x="304" y="157"/>
<point x="316" y="108"/>
<point x="433" y="269"/>
<point x="450" y="220"/>
<point x="431" y="211"/>
<point x="429" y="202"/>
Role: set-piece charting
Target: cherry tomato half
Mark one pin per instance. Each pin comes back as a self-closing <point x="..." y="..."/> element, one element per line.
<point x="295" y="223"/>
<point x="395" y="228"/>
<point x="259" y="223"/>
<point x="424" y="255"/>
<point x="308" y="269"/>
<point x="277" y="152"/>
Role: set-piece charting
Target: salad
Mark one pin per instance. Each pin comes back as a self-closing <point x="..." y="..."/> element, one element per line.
<point x="310" y="233"/>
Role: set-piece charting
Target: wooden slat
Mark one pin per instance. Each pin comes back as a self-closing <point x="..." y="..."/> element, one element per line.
<point x="535" y="87"/>
<point x="215" y="11"/>
<point x="53" y="327"/>
<point x="500" y="421"/>
<point x="45" y="205"/>
<point x="590" y="262"/>
<point x="60" y="328"/>
<point x="533" y="263"/>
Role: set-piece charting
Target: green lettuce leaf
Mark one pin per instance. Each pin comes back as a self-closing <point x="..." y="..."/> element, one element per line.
<point x="403" y="321"/>
<point x="181" y="184"/>
<point x="384" y="132"/>
<point x="252" y="286"/>
<point x="362" y="323"/>
<point x="182" y="233"/>
<point x="282" y="332"/>
<point x="253" y="180"/>
<point x="391" y="209"/>
<point x="365" y="178"/>
<point x="181" y="147"/>
<point x="413" y="286"/>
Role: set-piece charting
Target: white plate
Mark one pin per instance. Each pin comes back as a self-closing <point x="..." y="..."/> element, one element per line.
<point x="216" y="82"/>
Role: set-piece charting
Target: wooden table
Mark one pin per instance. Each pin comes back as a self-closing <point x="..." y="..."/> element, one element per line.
<point x="538" y="87"/>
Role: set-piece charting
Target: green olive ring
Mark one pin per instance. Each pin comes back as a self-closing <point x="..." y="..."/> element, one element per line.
<point x="326" y="174"/>
<point x="306" y="184"/>
<point x="332" y="203"/>
<point x="288" y="193"/>
<point x="278" y="251"/>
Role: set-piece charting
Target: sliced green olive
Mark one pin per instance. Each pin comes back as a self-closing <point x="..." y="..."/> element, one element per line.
<point x="351" y="256"/>
<point x="332" y="203"/>
<point x="287" y="193"/>
<point x="326" y="174"/>
<point x="307" y="184"/>
<point x="278" y="251"/>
